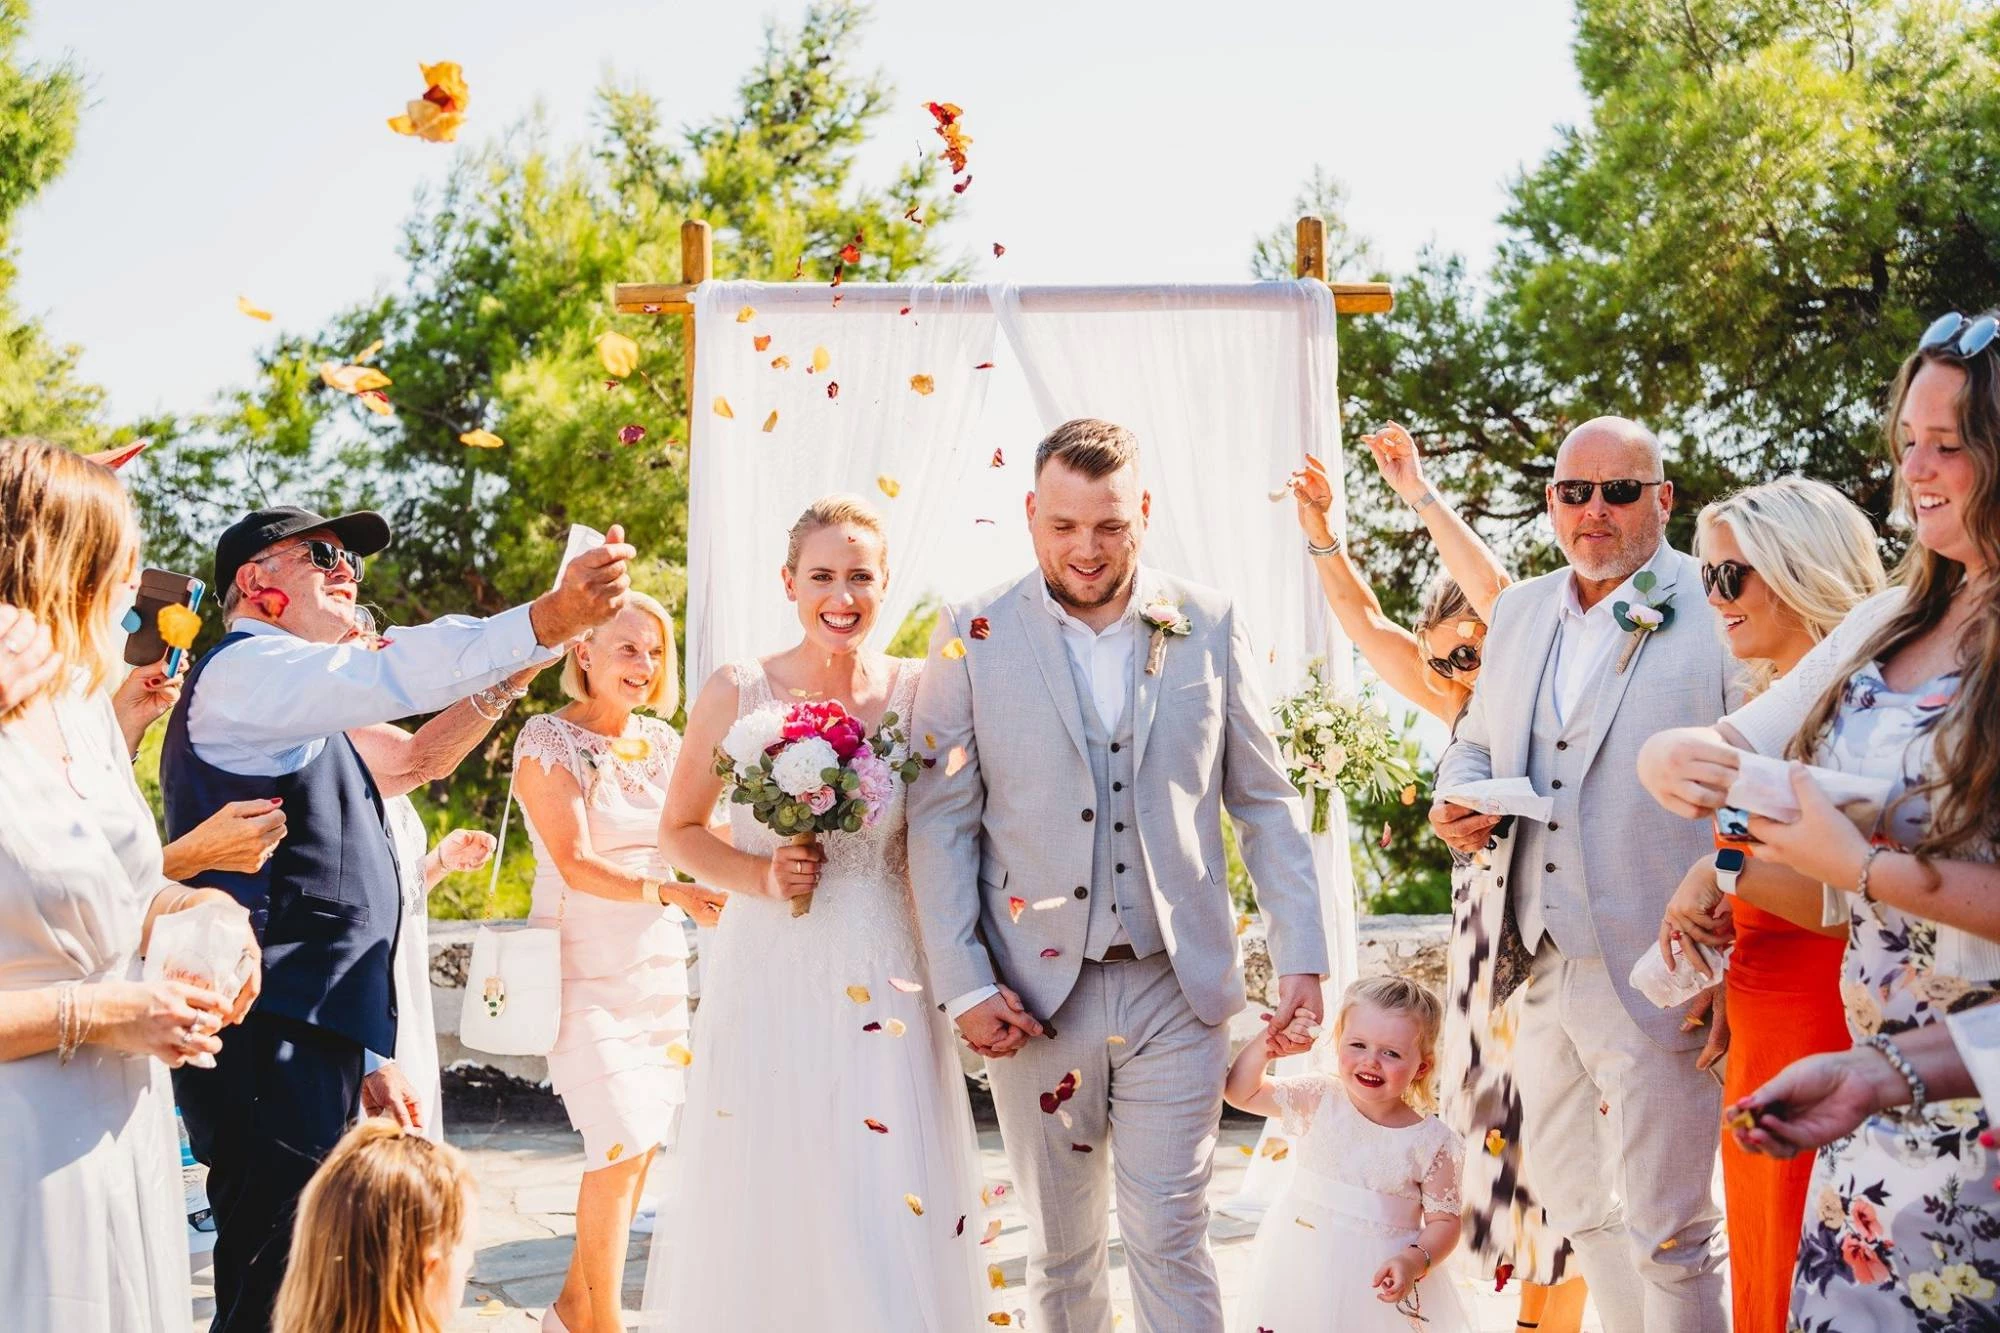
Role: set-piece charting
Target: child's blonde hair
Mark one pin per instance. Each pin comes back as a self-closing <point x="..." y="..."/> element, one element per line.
<point x="382" y="1199"/>
<point x="1399" y="995"/>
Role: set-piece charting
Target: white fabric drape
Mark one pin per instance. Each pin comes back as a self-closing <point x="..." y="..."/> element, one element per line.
<point x="1227" y="387"/>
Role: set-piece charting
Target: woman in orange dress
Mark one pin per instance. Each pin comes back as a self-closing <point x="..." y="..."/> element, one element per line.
<point x="1782" y="563"/>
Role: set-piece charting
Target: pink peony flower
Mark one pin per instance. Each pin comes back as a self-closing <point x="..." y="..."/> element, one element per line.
<point x="878" y="782"/>
<point x="831" y="723"/>
<point x="821" y="800"/>
<point x="1864" y="1261"/>
<point x="846" y="736"/>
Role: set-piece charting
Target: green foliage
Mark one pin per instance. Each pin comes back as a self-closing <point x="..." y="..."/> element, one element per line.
<point x="1398" y="863"/>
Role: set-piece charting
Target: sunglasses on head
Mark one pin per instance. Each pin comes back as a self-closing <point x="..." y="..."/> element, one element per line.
<point x="326" y="557"/>
<point x="1465" y="657"/>
<point x="1959" y="335"/>
<point x="1725" y="579"/>
<point x="1621" y="492"/>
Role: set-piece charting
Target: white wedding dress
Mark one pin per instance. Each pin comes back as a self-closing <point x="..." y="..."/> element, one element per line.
<point x="827" y="1174"/>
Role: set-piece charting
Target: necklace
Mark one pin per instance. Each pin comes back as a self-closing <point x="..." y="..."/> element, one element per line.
<point x="52" y="735"/>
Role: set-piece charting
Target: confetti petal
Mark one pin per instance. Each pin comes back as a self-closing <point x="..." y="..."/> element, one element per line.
<point x="1409" y="796"/>
<point x="352" y="379"/>
<point x="178" y="626"/>
<point x="614" y="1152"/>
<point x="906" y="986"/>
<point x="244" y="306"/>
<point x="1049" y="904"/>
<point x="993" y="1229"/>
<point x="723" y="409"/>
<point x="995" y="1278"/>
<point x="437" y="115"/>
<point x="1670" y="1243"/>
<point x="631" y="749"/>
<point x="781" y="363"/>
<point x="679" y="1054"/>
<point x="999" y="459"/>
<point x="871" y="1027"/>
<point x="377" y="402"/>
<point x="1384" y="844"/>
<point x="629" y="435"/>
<point x="745" y="315"/>
<point x="959" y="1230"/>
<point x="1081" y="1147"/>
<point x="762" y="342"/>
<point x="981" y="627"/>
<point x="1496" y="1142"/>
<point x="954" y="761"/>
<point x="998" y="249"/>
<point x="1063" y="1116"/>
<point x="1114" y="1041"/>
<point x="771" y="422"/>
<point x="916" y="1204"/>
<point x="833" y="388"/>
<point x="1276" y="1149"/>
<point x="877" y="1126"/>
<point x="821" y="359"/>
<point x="1052" y="953"/>
<point x="923" y="384"/>
<point x="953" y="651"/>
<point x="904" y="311"/>
<point x="896" y="1027"/>
<point x="481" y="439"/>
<point x="961" y="186"/>
<point x="1015" y="906"/>
<point x="859" y="994"/>
<point x="984" y="365"/>
<point x="889" y="485"/>
<point x="619" y="354"/>
<point x="1307" y="1225"/>
<point x="1000" y="1319"/>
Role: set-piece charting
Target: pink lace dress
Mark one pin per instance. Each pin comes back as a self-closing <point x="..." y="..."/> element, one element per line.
<point x="1360" y="1195"/>
<point x="624" y="964"/>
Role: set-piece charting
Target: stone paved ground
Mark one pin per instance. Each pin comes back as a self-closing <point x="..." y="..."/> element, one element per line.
<point x="528" y="1176"/>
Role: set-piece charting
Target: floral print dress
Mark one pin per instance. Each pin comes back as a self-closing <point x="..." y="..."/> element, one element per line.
<point x="1902" y="1225"/>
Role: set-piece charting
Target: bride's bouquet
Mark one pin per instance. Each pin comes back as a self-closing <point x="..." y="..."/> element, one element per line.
<point x="1337" y="742"/>
<point x="813" y="768"/>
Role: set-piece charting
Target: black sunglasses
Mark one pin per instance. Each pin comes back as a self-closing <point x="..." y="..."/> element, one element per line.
<point x="1621" y="492"/>
<point x="1959" y="335"/>
<point x="1725" y="578"/>
<point x="325" y="556"/>
<point x="1465" y="657"/>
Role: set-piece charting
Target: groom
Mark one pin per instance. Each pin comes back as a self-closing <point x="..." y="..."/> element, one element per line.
<point x="1070" y="881"/>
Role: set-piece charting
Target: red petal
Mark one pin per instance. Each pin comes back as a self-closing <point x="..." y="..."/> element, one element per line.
<point x="1049" y="1103"/>
<point x="984" y="365"/>
<point x="1079" y="1147"/>
<point x="961" y="1225"/>
<point x="850" y="254"/>
<point x="837" y="278"/>
<point x="998" y="249"/>
<point x="871" y="1027"/>
<point x="761" y="341"/>
<point x="904" y="311"/>
<point x="960" y="187"/>
<point x="1052" y="953"/>
<point x="910" y="214"/>
<point x="999" y="459"/>
<point x="833" y="388"/>
<point x="981" y="627"/>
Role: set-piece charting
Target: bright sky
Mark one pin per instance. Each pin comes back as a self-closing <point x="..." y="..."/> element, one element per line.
<point x="239" y="146"/>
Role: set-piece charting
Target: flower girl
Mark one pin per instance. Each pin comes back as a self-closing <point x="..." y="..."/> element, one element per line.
<point x="1373" y="1205"/>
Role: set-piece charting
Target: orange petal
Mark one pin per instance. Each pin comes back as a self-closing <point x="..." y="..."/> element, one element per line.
<point x="916" y="1204"/>
<point x="367" y="353"/>
<point x="178" y="626"/>
<point x="377" y="402"/>
<point x="859" y="994"/>
<point x="619" y="354"/>
<point x="614" y="1152"/>
<point x="771" y="422"/>
<point x="679" y="1054"/>
<point x="761" y="342"/>
<point x="254" y="311"/>
<point x="481" y="439"/>
<point x="995" y="1278"/>
<point x="745" y="315"/>
<point x="1015" y="906"/>
<point x="923" y="384"/>
<point x="722" y="408"/>
<point x="1114" y="1041"/>
<point x="890" y="486"/>
<point x="402" y="125"/>
<point x="1000" y="1318"/>
<point x="781" y="363"/>
<point x="876" y="1125"/>
<point x="953" y="650"/>
<point x="1276" y="1149"/>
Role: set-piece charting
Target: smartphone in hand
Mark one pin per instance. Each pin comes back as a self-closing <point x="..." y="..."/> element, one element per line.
<point x="158" y="589"/>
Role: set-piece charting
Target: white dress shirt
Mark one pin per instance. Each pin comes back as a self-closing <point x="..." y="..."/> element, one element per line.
<point x="1104" y="658"/>
<point x="1586" y="640"/>
<point x="268" y="704"/>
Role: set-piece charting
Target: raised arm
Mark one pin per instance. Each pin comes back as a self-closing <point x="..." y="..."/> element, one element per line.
<point x="1469" y="561"/>
<point x="401" y="761"/>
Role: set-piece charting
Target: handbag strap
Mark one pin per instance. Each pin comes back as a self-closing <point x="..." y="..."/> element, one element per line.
<point x="507" y="810"/>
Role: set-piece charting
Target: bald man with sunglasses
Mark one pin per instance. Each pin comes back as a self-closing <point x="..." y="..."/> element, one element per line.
<point x="1592" y="660"/>
<point x="264" y="716"/>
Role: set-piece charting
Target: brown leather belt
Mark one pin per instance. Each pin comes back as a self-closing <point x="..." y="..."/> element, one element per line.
<point x="1119" y="953"/>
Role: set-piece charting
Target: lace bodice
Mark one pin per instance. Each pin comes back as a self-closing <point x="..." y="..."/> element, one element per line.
<point x="1332" y="1139"/>
<point x="863" y="920"/>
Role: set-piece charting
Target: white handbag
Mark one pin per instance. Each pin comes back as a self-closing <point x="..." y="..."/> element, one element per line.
<point x="513" y="985"/>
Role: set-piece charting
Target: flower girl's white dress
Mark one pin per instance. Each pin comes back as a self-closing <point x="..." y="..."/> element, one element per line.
<point x="1359" y="1196"/>
<point x="827" y="1174"/>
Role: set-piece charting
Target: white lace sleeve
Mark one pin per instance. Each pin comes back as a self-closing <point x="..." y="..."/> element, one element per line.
<point x="1439" y="1186"/>
<point x="1769" y="721"/>
<point x="1297" y="1098"/>
<point x="543" y="737"/>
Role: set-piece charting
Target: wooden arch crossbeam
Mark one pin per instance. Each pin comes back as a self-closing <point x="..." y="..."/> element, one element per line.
<point x="697" y="254"/>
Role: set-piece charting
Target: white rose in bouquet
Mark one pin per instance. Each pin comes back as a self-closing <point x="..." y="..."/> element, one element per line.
<point x="797" y="771"/>
<point x="753" y="734"/>
<point x="1336" y="760"/>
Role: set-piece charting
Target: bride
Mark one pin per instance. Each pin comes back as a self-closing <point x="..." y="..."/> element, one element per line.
<point x="826" y="1173"/>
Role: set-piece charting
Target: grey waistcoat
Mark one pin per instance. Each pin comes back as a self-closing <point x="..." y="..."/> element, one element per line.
<point x="1119" y="888"/>
<point x="1550" y="894"/>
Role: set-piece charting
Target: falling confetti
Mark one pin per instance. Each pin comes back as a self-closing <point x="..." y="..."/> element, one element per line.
<point x="618" y="354"/>
<point x="1049" y="904"/>
<point x="889" y="485"/>
<point x="1410" y="794"/>
<point x="1670" y="1243"/>
<point x="1081" y="1147"/>
<point x="632" y="749"/>
<point x="1307" y="1225"/>
<point x="904" y="311"/>
<point x="821" y="359"/>
<point x="998" y="249"/>
<point x="1496" y="1142"/>
<point x="1384" y="844"/>
<point x="1276" y="1149"/>
<point x="633" y="434"/>
<point x="1016" y="906"/>
<point x="1114" y="1041"/>
<point x="493" y="1309"/>
<point x="879" y="1128"/>
<point x="910" y="214"/>
<point x="992" y="1231"/>
<point x="377" y="402"/>
<point x="906" y="986"/>
<point x="896" y="1027"/>
<point x="679" y="1054"/>
<point x="1000" y="1319"/>
<point x="954" y="761"/>
<point x="178" y="626"/>
<point x="960" y="187"/>
<point x="984" y="365"/>
<point x="436" y="116"/>
<point x="851" y="252"/>
<point x="859" y="994"/>
<point x="745" y="315"/>
<point x="959" y="1230"/>
<point x="244" y="306"/>
<point x="781" y="363"/>
<point x="833" y="388"/>
<point x="916" y="1204"/>
<point x="1063" y="1116"/>
<point x="1242" y="922"/>
<point x="871" y="1027"/>
<point x="955" y="138"/>
<point x="352" y="379"/>
<point x="995" y="1277"/>
<point x="1052" y="953"/>
<point x="999" y="459"/>
<point x="923" y="384"/>
<point x="722" y="408"/>
<point x="1065" y="1089"/>
<point x="980" y="628"/>
<point x="762" y="342"/>
<point x="953" y="651"/>
<point x="614" y="1152"/>
<point x="771" y="422"/>
<point x="481" y="439"/>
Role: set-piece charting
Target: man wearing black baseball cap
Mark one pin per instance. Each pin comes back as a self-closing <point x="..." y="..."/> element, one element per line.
<point x="265" y="715"/>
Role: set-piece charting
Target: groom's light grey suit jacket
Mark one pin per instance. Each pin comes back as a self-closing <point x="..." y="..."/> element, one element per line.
<point x="1633" y="852"/>
<point x="1012" y="822"/>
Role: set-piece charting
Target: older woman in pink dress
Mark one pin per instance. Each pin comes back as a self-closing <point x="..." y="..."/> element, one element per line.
<point x="592" y="800"/>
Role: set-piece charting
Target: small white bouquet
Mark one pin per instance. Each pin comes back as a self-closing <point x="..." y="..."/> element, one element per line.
<point x="1337" y="742"/>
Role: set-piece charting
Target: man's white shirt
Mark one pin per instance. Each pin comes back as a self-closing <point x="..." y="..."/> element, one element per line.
<point x="1585" y="640"/>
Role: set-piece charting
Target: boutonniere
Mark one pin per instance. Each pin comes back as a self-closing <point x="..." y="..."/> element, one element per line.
<point x="1642" y="618"/>
<point x="1166" y="618"/>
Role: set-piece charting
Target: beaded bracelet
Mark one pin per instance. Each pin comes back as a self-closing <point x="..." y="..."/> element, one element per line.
<point x="1901" y="1064"/>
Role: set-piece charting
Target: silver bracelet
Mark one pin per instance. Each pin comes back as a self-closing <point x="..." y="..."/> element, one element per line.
<point x="479" y="706"/>
<point x="1901" y="1064"/>
<point x="1429" y="498"/>
<point x="1867" y="864"/>
<point x="1332" y="549"/>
